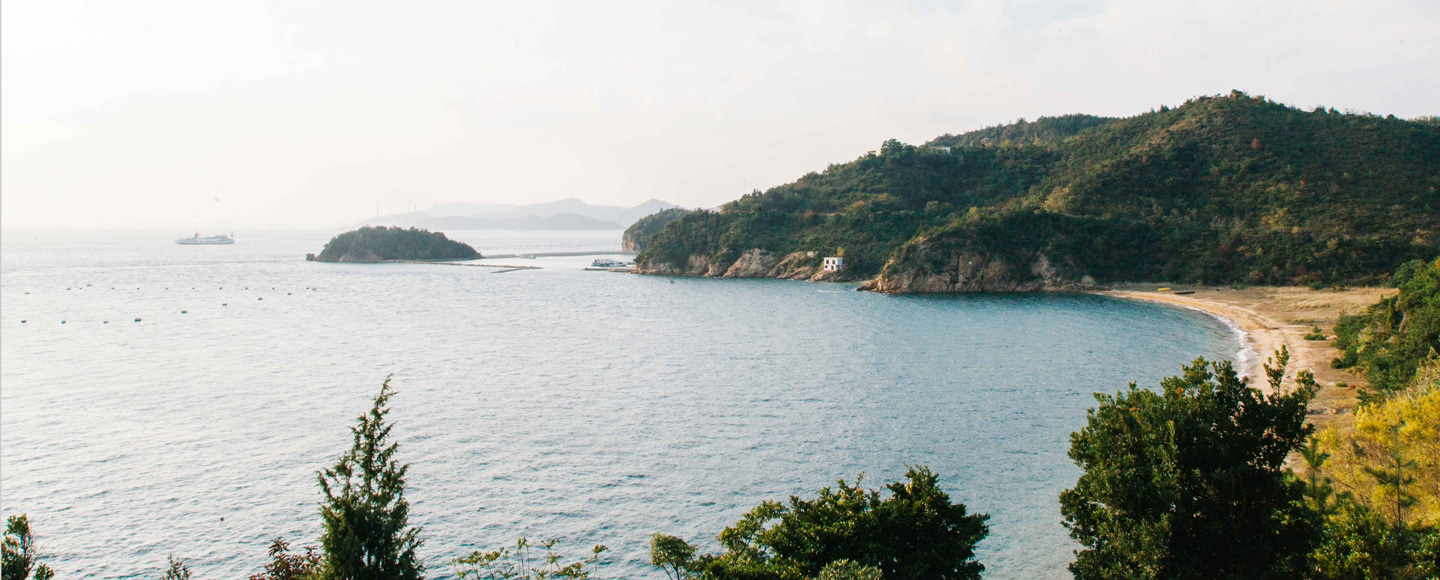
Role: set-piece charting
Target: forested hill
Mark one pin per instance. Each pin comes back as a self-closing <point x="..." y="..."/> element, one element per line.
<point x="1221" y="189"/>
<point x="1045" y="131"/>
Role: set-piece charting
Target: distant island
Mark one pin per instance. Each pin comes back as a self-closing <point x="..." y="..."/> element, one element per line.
<point x="1227" y="189"/>
<point x="373" y="244"/>
<point x="564" y="214"/>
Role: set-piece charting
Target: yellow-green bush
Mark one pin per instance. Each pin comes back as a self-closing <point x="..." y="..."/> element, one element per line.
<point x="1402" y="432"/>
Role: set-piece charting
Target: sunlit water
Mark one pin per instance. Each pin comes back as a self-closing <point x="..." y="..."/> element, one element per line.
<point x="591" y="406"/>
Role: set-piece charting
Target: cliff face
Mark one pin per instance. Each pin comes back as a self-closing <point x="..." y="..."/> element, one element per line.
<point x="925" y="266"/>
<point x="753" y="263"/>
<point x="930" y="267"/>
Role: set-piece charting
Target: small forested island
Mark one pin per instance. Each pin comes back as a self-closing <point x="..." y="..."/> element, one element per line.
<point x="1220" y="190"/>
<point x="373" y="244"/>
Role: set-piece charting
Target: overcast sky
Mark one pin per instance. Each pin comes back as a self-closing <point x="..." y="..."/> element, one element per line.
<point x="248" y="114"/>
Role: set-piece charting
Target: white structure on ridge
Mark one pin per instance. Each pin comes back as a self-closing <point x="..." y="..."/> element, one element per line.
<point x="834" y="263"/>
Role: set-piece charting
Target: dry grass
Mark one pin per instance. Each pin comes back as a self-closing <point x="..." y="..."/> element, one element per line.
<point x="1276" y="316"/>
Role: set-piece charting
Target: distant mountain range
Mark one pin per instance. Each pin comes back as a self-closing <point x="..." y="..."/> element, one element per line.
<point x="565" y="214"/>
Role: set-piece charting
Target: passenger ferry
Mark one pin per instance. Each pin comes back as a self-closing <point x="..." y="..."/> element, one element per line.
<point x="196" y="240"/>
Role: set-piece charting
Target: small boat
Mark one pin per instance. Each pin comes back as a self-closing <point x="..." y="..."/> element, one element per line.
<point x="215" y="240"/>
<point x="609" y="265"/>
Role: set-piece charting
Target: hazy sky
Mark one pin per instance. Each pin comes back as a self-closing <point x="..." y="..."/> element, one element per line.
<point x="246" y="114"/>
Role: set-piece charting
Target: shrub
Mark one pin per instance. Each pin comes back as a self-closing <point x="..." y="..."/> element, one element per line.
<point x="1188" y="482"/>
<point x="915" y="533"/>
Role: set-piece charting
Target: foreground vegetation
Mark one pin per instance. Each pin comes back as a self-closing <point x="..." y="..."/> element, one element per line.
<point x="379" y="243"/>
<point x="1224" y="189"/>
<point x="1186" y="481"/>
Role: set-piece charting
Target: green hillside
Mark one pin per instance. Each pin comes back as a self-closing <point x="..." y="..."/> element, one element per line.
<point x="637" y="236"/>
<point x="1045" y="131"/>
<point x="1221" y="189"/>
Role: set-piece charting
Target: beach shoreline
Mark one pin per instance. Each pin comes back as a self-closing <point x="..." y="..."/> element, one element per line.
<point x="1268" y="318"/>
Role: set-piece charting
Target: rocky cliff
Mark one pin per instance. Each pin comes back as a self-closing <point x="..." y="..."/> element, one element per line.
<point x="927" y="266"/>
<point x="753" y="263"/>
<point x="924" y="266"/>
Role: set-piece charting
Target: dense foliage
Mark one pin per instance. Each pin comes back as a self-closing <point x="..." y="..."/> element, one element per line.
<point x="916" y="533"/>
<point x="1045" y="131"/>
<point x="376" y="243"/>
<point x="1222" y="189"/>
<point x="637" y="236"/>
<point x="20" y="556"/>
<point x="1187" y="482"/>
<point x="1380" y="485"/>
<point x="1391" y="340"/>
<point x="367" y="531"/>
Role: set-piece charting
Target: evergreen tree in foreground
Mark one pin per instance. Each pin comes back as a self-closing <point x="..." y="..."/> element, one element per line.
<point x="367" y="533"/>
<point x="1188" y="482"/>
<point x="20" y="554"/>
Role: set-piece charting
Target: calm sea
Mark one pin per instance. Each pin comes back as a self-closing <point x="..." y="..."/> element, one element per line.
<point x="590" y="406"/>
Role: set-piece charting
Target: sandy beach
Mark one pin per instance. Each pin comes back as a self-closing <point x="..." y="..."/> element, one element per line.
<point x="1272" y="317"/>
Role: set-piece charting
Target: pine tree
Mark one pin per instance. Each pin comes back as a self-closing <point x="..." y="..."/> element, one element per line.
<point x="1394" y="478"/>
<point x="20" y="553"/>
<point x="1188" y="482"/>
<point x="367" y="533"/>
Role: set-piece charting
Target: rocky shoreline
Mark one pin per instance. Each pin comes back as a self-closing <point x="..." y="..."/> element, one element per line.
<point x="754" y="263"/>
<point x="922" y="269"/>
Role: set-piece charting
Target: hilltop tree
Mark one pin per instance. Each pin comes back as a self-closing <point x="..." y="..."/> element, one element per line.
<point x="20" y="554"/>
<point x="1188" y="482"/>
<point x="367" y="532"/>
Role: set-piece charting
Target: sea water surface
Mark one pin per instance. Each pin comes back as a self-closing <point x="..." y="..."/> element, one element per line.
<point x="159" y="399"/>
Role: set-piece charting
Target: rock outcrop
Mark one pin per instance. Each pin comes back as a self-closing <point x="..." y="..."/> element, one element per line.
<point x="755" y="263"/>
<point x="796" y="266"/>
<point x="927" y="267"/>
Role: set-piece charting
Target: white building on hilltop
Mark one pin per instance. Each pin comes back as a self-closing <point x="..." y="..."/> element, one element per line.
<point x="834" y="263"/>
